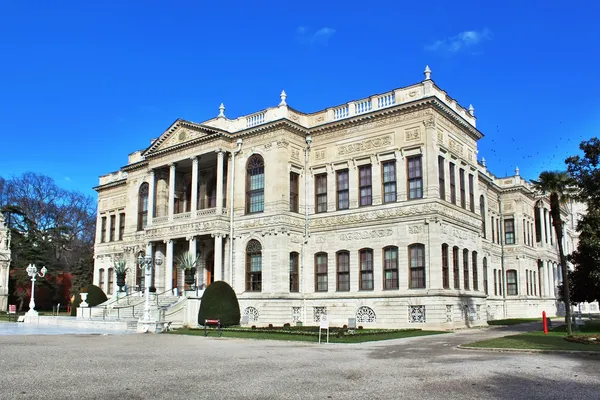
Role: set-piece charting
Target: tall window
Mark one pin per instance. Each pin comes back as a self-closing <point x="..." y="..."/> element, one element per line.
<point x="294" y="272"/>
<point x="466" y="269"/>
<point x="343" y="271"/>
<point x="534" y="283"/>
<point x="455" y="268"/>
<point x="101" y="279"/>
<point x="527" y="282"/>
<point x="538" y="225"/>
<point x="495" y="284"/>
<point x="321" y="272"/>
<point x="366" y="269"/>
<point x="253" y="266"/>
<point x="511" y="282"/>
<point x="482" y="212"/>
<point x="500" y="283"/>
<point x="498" y="233"/>
<point x="524" y="232"/>
<point x="321" y="192"/>
<point x="111" y="273"/>
<point x="343" y="201"/>
<point x="255" y="184"/>
<point x="485" y="275"/>
<point x="416" y="253"/>
<point x="452" y="183"/>
<point x="390" y="267"/>
<point x="529" y="238"/>
<point x="113" y="228"/>
<point x="475" y="272"/>
<point x="442" y="177"/>
<point x="121" y="226"/>
<point x="445" y="267"/>
<point x="365" y="185"/>
<point x="471" y="194"/>
<point x="415" y="177"/>
<point x="294" y="191"/>
<point x="103" y="230"/>
<point x="509" y="231"/>
<point x="143" y="206"/>
<point x="463" y="196"/>
<point x="493" y="231"/>
<point x="389" y="181"/>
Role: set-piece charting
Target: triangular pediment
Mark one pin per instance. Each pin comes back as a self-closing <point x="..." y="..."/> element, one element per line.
<point x="179" y="133"/>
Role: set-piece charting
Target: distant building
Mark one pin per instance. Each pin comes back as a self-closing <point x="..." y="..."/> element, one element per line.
<point x="4" y="263"/>
<point x="376" y="209"/>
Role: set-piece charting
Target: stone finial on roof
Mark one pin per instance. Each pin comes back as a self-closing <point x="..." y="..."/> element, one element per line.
<point x="427" y="73"/>
<point x="517" y="171"/>
<point x="283" y="97"/>
<point x="471" y="110"/>
<point x="483" y="161"/>
<point x="221" y="111"/>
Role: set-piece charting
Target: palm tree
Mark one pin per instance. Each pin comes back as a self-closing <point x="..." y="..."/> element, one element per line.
<point x="560" y="187"/>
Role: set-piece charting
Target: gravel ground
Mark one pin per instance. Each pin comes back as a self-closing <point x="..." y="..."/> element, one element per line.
<point x="145" y="366"/>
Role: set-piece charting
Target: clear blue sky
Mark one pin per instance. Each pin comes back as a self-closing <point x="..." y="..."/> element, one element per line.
<point x="84" y="83"/>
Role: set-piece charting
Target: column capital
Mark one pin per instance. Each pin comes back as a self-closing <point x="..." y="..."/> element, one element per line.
<point x="173" y="165"/>
<point x="219" y="151"/>
<point x="168" y="241"/>
<point x="150" y="171"/>
<point x="190" y="238"/>
<point x="194" y="158"/>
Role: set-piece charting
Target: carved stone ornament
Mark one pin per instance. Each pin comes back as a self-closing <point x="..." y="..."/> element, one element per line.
<point x="364" y="145"/>
<point x="412" y="134"/>
<point x="376" y="233"/>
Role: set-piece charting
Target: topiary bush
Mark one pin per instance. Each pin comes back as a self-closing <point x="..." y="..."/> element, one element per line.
<point x="95" y="296"/>
<point x="219" y="302"/>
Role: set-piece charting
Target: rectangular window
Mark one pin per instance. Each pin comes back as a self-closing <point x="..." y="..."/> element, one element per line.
<point x="524" y="232"/>
<point x="343" y="186"/>
<point x="493" y="230"/>
<point x="417" y="266"/>
<point x="113" y="228"/>
<point x="389" y="181"/>
<point x="121" y="226"/>
<point x="475" y="271"/>
<point x="463" y="198"/>
<point x="415" y="177"/>
<point x="343" y="271"/>
<point x="321" y="272"/>
<point x="294" y="192"/>
<point x="509" y="231"/>
<point x="538" y="225"/>
<point x="390" y="268"/>
<point x="511" y="283"/>
<point x="471" y="194"/>
<point x="495" y="284"/>
<point x="103" y="230"/>
<point x="527" y="281"/>
<point x="442" y="177"/>
<point x="294" y="274"/>
<point x="321" y="193"/>
<point x="366" y="269"/>
<point x="455" y="269"/>
<point x="534" y="283"/>
<point x="485" y="276"/>
<point x="365" y="188"/>
<point x="445" y="267"/>
<point x="498" y="230"/>
<point x="452" y="183"/>
<point x="466" y="269"/>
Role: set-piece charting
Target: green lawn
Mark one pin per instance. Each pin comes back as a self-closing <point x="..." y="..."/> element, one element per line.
<point x="363" y="335"/>
<point x="513" y="321"/>
<point x="554" y="340"/>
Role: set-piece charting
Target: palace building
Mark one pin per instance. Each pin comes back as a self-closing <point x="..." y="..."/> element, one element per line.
<point x="377" y="209"/>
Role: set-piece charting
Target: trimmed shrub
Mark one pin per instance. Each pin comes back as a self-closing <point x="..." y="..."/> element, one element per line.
<point x="95" y="296"/>
<point x="219" y="302"/>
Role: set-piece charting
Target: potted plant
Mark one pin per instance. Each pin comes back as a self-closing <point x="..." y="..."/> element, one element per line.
<point x="188" y="262"/>
<point x="121" y="271"/>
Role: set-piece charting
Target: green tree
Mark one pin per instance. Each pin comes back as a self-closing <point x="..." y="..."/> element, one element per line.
<point x="560" y="187"/>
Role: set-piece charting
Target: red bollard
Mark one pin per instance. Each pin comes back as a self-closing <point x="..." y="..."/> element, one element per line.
<point x="545" y="322"/>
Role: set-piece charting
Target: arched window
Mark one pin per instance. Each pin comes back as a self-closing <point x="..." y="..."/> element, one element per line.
<point x="455" y="267"/>
<point x="343" y="271"/>
<point x="390" y="267"/>
<point x="485" y="275"/>
<point x="445" y="267"/>
<point x="466" y="269"/>
<point x="366" y="269"/>
<point x="110" y="280"/>
<point x="143" y="206"/>
<point x="294" y="272"/>
<point x="321" y="272"/>
<point x="511" y="283"/>
<point x="253" y="266"/>
<point x="101" y="279"/>
<point x="255" y="184"/>
<point x="416" y="260"/>
<point x="475" y="272"/>
<point x="482" y="212"/>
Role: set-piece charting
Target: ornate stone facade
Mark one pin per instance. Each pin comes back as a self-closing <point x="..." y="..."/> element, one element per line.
<point x="4" y="263"/>
<point x="376" y="210"/>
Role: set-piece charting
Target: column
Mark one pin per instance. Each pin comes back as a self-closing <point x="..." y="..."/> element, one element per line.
<point x="148" y="281"/>
<point x="194" y="188"/>
<point x="550" y="274"/>
<point x="171" y="191"/>
<point x="227" y="263"/>
<point x="117" y="227"/>
<point x="151" y="194"/>
<point x="169" y="265"/>
<point x="376" y="182"/>
<point x="219" y="209"/>
<point x="218" y="256"/>
<point x="192" y="248"/>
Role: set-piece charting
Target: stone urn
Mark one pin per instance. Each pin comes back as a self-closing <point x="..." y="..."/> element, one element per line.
<point x="190" y="275"/>
<point x="83" y="300"/>
<point x="120" y="281"/>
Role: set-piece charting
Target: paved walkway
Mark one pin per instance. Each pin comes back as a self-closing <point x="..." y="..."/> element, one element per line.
<point x="20" y="328"/>
<point x="174" y="366"/>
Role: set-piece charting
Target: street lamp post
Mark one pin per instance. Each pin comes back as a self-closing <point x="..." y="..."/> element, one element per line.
<point x="33" y="273"/>
<point x="148" y="264"/>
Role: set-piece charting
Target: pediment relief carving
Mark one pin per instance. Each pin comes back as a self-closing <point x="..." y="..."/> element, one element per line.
<point x="178" y="136"/>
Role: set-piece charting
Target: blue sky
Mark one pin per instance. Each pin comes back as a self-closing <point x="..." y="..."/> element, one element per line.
<point x="85" y="83"/>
